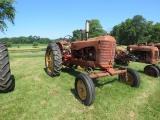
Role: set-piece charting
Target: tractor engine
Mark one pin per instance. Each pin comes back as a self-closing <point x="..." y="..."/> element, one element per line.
<point x="87" y="53"/>
<point x="95" y="52"/>
<point x="138" y="56"/>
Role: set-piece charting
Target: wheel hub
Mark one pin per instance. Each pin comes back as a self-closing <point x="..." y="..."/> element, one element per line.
<point x="49" y="60"/>
<point x="81" y="88"/>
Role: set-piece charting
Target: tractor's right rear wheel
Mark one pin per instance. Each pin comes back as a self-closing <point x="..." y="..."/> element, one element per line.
<point x="6" y="81"/>
<point x="85" y="89"/>
<point x="53" y="60"/>
<point x="151" y="71"/>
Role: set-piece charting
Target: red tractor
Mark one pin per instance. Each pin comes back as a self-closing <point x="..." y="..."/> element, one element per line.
<point x="96" y="55"/>
<point x="140" y="53"/>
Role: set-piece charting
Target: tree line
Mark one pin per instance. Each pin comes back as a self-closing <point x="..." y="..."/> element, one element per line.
<point x="26" y="40"/>
<point x="135" y="30"/>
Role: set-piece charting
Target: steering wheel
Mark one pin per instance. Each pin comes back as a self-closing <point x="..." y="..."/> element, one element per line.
<point x="68" y="38"/>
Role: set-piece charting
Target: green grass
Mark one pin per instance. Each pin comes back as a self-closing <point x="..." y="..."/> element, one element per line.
<point x="27" y="45"/>
<point x="21" y="48"/>
<point x="40" y="97"/>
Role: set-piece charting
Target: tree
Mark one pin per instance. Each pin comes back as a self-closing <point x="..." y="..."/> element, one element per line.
<point x="155" y="33"/>
<point x="9" y="44"/>
<point x="76" y="35"/>
<point x="35" y="44"/>
<point x="95" y="29"/>
<point x="7" y="12"/>
<point x="132" y="30"/>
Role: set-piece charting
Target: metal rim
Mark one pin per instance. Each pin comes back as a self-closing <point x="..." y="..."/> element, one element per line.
<point x="130" y="80"/>
<point x="49" y="60"/>
<point x="81" y="88"/>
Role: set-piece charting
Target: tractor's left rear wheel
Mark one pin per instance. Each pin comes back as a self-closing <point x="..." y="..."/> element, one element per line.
<point x="6" y="80"/>
<point x="85" y="89"/>
<point x="132" y="78"/>
<point x="53" y="60"/>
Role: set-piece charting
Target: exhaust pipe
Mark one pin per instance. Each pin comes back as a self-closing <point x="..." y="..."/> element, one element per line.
<point x="81" y="34"/>
<point x="87" y="28"/>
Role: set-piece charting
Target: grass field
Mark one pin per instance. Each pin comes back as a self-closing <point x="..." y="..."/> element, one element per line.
<point x="21" y="48"/>
<point x="40" y="97"/>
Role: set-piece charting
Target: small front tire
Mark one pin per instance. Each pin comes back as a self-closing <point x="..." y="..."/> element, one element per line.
<point x="132" y="79"/>
<point x="158" y="67"/>
<point x="85" y="89"/>
<point x="151" y="70"/>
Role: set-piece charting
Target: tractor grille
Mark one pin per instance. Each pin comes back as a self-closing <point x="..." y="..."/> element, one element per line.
<point x="106" y="51"/>
<point x="156" y="55"/>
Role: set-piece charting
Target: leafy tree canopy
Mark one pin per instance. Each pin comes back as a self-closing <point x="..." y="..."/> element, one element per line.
<point x="135" y="30"/>
<point x="7" y="12"/>
<point x="95" y="29"/>
<point x="76" y="35"/>
<point x="35" y="44"/>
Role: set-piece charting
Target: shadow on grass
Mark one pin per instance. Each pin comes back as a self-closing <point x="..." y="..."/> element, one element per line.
<point x="11" y="87"/>
<point x="98" y="84"/>
<point x="71" y="71"/>
<point x="140" y="71"/>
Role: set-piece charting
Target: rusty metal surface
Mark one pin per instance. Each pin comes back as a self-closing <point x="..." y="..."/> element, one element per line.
<point x="158" y="46"/>
<point x="110" y="72"/>
<point x="147" y="54"/>
<point x="139" y="53"/>
<point x="93" y="53"/>
<point x="104" y="48"/>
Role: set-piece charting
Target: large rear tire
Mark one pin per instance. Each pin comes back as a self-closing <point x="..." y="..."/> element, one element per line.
<point x="132" y="79"/>
<point x="53" y="60"/>
<point x="6" y="81"/>
<point x="151" y="71"/>
<point x="85" y="89"/>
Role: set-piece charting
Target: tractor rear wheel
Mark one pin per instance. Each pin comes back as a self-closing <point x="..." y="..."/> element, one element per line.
<point x="151" y="70"/>
<point x="6" y="81"/>
<point x="132" y="79"/>
<point x="85" y="89"/>
<point x="53" y="60"/>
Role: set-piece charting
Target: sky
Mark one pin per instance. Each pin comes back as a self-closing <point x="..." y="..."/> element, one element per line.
<point x="58" y="18"/>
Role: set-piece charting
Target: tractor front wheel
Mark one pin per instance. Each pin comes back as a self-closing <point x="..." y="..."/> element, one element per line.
<point x="158" y="67"/>
<point x="130" y="78"/>
<point x="85" y="89"/>
<point x="53" y="60"/>
<point x="151" y="70"/>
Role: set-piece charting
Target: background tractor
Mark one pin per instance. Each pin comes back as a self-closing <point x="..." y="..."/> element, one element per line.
<point x="96" y="55"/>
<point x="140" y="53"/>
